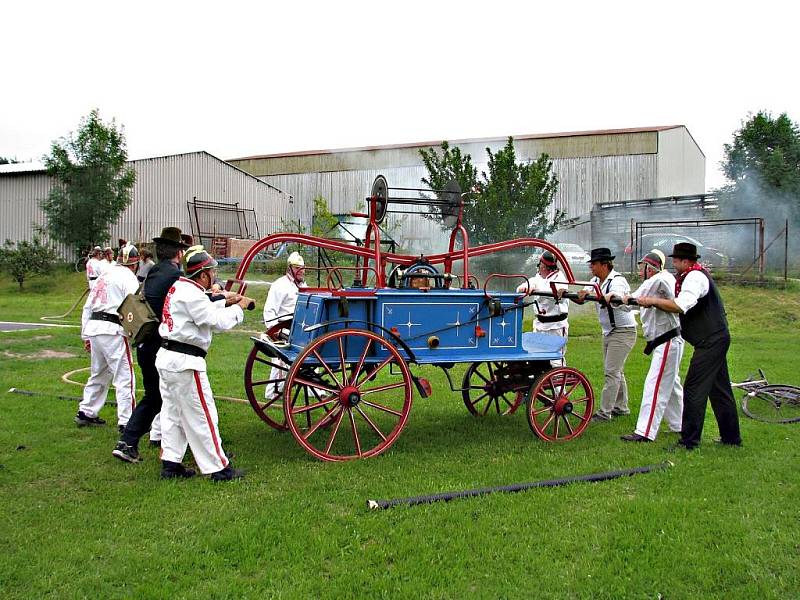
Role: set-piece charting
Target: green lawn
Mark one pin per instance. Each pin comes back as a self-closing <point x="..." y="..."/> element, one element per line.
<point x="75" y="522"/>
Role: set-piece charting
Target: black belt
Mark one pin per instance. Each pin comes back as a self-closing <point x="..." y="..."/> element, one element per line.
<point x="662" y="339"/>
<point x="92" y="278"/>
<point x="102" y="316"/>
<point x="183" y="348"/>
<point x="551" y="318"/>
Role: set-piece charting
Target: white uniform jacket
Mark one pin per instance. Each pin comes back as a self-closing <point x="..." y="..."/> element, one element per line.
<point x="189" y="317"/>
<point x="656" y="322"/>
<point x="93" y="270"/>
<point x="108" y="292"/>
<point x="615" y="284"/>
<point x="281" y="300"/>
<point x="547" y="307"/>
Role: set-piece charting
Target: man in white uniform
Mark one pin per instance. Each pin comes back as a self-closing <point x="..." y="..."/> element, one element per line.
<point x="278" y="313"/>
<point x="94" y="266"/>
<point x="550" y="314"/>
<point x="188" y="412"/>
<point x="662" y="395"/>
<point x="107" y="343"/>
<point x="619" y="333"/>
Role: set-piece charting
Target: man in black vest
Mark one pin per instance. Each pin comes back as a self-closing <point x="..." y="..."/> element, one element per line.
<point x="170" y="247"/>
<point x="704" y="326"/>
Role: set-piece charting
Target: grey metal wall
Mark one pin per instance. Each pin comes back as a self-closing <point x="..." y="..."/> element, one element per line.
<point x="163" y="186"/>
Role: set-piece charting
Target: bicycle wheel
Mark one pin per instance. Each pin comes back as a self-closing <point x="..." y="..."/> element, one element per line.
<point x="80" y="264"/>
<point x="773" y="404"/>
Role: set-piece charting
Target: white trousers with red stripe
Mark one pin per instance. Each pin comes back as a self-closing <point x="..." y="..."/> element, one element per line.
<point x="111" y="363"/>
<point x="663" y="394"/>
<point x="189" y="416"/>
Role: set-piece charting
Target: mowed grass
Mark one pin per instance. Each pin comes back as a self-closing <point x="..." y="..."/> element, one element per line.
<point x="75" y="522"/>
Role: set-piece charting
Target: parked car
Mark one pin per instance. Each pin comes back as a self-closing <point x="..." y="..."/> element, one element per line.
<point x="575" y="255"/>
<point x="709" y="257"/>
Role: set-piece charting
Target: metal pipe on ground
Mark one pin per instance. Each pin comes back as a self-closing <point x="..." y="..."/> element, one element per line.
<point x="517" y="487"/>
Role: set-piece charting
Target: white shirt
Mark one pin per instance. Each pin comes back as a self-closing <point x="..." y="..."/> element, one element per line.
<point x="694" y="286"/>
<point x="281" y="300"/>
<point x="548" y="307"/>
<point x="189" y="317"/>
<point x="615" y="284"/>
<point x="108" y="292"/>
<point x="656" y="322"/>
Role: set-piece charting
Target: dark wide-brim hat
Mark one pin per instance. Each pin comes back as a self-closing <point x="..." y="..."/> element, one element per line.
<point x="684" y="250"/>
<point x="601" y="254"/>
<point x="171" y="235"/>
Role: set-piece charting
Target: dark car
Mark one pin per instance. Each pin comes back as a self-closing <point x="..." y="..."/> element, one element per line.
<point x="709" y="257"/>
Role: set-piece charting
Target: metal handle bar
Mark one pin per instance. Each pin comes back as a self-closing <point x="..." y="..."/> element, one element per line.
<point x="333" y="270"/>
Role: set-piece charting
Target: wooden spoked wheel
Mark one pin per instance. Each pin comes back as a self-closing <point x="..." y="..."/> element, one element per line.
<point x="560" y="404"/>
<point x="348" y="395"/>
<point x="258" y="373"/>
<point x="487" y="388"/>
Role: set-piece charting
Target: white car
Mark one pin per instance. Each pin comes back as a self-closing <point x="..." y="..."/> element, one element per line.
<point x="574" y="254"/>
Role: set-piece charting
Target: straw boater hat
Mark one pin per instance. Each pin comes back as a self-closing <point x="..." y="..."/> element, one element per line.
<point x="171" y="235"/>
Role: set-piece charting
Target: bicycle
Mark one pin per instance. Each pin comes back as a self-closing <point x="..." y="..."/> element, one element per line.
<point x="771" y="403"/>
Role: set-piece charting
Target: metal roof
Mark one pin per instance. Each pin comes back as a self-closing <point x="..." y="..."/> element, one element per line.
<point x="531" y="136"/>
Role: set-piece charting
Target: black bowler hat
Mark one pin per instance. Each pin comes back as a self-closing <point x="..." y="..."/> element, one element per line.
<point x="684" y="250"/>
<point x="171" y="235"/>
<point x="601" y="254"/>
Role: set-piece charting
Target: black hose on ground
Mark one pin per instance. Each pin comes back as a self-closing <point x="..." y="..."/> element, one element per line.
<point x="517" y="487"/>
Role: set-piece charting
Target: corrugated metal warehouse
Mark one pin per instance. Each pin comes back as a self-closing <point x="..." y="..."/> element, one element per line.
<point x="164" y="186"/>
<point x="592" y="166"/>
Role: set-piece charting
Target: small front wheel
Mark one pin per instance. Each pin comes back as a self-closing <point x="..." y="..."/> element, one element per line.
<point x="560" y="404"/>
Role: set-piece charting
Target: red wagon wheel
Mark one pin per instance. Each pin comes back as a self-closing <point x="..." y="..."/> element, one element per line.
<point x="257" y="377"/>
<point x="560" y="404"/>
<point x="487" y="387"/>
<point x="347" y="395"/>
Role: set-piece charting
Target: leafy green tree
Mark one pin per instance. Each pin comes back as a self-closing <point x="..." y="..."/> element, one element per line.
<point x="511" y="201"/>
<point x="26" y="259"/>
<point x="92" y="183"/>
<point x="762" y="164"/>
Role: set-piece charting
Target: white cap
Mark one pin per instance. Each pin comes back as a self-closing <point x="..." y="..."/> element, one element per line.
<point x="295" y="260"/>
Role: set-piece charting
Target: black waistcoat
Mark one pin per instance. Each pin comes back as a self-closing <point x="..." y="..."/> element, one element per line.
<point x="705" y="318"/>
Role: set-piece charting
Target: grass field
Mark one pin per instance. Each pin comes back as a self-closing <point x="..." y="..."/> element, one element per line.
<point x="75" y="522"/>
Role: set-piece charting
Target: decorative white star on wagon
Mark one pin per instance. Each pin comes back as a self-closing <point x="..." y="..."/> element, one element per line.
<point x="510" y="339"/>
<point x="504" y="324"/>
<point x="409" y="324"/>
<point x="473" y="308"/>
<point x="457" y="323"/>
<point x="496" y="340"/>
<point x="388" y="310"/>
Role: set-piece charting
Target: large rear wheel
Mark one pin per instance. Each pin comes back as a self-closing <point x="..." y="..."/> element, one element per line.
<point x="347" y="395"/>
<point x="262" y="372"/>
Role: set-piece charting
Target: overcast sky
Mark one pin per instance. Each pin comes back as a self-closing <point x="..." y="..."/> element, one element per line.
<point x="244" y="78"/>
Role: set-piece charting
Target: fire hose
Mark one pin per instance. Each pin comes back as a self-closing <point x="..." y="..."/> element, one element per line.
<point x="517" y="487"/>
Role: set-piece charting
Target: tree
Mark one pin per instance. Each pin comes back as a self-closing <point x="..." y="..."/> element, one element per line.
<point x="763" y="166"/>
<point x="512" y="200"/>
<point x="7" y="161"/>
<point x="26" y="259"/>
<point x="92" y="183"/>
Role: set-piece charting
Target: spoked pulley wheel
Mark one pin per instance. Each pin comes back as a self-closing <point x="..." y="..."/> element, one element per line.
<point x="773" y="404"/>
<point x="348" y="395"/>
<point x="560" y="404"/>
<point x="261" y="374"/>
<point x="488" y="388"/>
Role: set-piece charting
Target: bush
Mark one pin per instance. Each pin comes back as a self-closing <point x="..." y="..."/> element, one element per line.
<point x="26" y="259"/>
